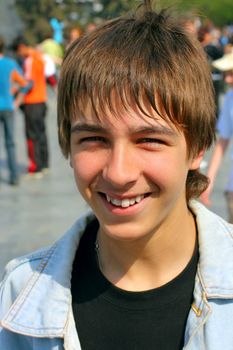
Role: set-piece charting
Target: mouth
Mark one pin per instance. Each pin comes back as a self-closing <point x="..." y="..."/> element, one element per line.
<point x="125" y="202"/>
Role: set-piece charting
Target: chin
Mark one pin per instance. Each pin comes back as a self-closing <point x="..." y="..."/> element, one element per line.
<point x="126" y="231"/>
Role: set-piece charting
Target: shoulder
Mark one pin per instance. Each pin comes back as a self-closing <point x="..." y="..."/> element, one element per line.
<point x="215" y="232"/>
<point x="9" y="62"/>
<point x="209" y="220"/>
<point x="17" y="272"/>
<point x="215" y="239"/>
<point x="45" y="264"/>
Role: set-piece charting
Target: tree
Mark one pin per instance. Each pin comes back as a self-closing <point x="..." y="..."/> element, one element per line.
<point x="113" y="9"/>
<point x="219" y="12"/>
<point x="36" y="16"/>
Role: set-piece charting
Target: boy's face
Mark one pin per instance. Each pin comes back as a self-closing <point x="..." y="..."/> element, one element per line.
<point x="131" y="170"/>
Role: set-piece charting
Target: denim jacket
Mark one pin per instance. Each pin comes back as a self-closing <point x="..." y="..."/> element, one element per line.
<point x="35" y="297"/>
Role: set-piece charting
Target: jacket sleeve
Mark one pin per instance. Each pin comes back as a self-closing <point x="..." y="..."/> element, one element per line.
<point x="15" y="277"/>
<point x="14" y="341"/>
<point x="13" y="281"/>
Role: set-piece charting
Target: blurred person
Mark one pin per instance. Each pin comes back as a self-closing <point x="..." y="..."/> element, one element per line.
<point x="144" y="269"/>
<point x="50" y="69"/>
<point x="213" y="52"/>
<point x="74" y="33"/>
<point x="52" y="48"/>
<point x="57" y="27"/>
<point x="216" y="33"/>
<point x="192" y="24"/>
<point x="228" y="48"/>
<point x="50" y="72"/>
<point x="12" y="83"/>
<point x="224" y="37"/>
<point x="91" y="26"/>
<point x="34" y="107"/>
<point x="225" y="133"/>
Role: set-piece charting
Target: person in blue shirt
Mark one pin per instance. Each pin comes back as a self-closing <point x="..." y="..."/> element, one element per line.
<point x="12" y="83"/>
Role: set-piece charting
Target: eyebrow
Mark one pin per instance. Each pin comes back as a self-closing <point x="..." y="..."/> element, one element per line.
<point x="87" y="127"/>
<point x="158" y="129"/>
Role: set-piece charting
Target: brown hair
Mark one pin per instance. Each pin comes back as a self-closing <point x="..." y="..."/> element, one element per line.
<point x="147" y="54"/>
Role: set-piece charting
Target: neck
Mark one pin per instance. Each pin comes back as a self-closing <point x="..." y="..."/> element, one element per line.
<point x="145" y="263"/>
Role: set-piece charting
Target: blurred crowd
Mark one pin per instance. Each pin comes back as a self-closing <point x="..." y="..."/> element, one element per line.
<point x="26" y="72"/>
<point x="38" y="65"/>
<point x="216" y="43"/>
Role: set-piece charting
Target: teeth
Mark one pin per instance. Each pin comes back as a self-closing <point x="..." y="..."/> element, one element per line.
<point x="139" y="198"/>
<point x="116" y="202"/>
<point x="131" y="201"/>
<point x="126" y="202"/>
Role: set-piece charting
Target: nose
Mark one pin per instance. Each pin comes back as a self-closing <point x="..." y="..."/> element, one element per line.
<point x="121" y="168"/>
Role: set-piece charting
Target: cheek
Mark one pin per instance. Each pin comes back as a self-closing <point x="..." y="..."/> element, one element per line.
<point x="86" y="168"/>
<point x="168" y="172"/>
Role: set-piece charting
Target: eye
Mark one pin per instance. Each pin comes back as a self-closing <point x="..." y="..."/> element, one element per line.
<point x="151" y="143"/>
<point x="150" y="139"/>
<point x="90" y="139"/>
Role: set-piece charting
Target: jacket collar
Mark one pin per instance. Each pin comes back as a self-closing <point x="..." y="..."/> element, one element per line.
<point x="215" y="237"/>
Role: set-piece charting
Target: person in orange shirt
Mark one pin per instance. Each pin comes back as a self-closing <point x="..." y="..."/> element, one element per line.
<point x="34" y="107"/>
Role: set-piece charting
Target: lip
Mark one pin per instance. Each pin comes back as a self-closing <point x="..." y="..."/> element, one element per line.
<point x="120" y="211"/>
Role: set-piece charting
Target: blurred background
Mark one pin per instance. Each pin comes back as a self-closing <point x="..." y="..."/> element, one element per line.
<point x="36" y="18"/>
<point x="37" y="212"/>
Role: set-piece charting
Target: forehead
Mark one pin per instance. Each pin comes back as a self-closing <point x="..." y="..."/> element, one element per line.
<point x="131" y="117"/>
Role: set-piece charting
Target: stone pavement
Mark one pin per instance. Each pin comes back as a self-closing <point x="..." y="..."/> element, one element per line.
<point x="37" y="212"/>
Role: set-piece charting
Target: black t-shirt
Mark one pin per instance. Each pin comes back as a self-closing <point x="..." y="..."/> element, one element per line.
<point x="108" y="318"/>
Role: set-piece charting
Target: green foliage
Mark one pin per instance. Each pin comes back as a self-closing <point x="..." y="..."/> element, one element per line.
<point x="116" y="8"/>
<point x="219" y="12"/>
<point x="36" y="15"/>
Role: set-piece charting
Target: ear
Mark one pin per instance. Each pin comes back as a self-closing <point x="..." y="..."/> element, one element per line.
<point x="196" y="161"/>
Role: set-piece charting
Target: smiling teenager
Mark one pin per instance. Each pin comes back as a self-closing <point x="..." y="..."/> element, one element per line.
<point x="143" y="269"/>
